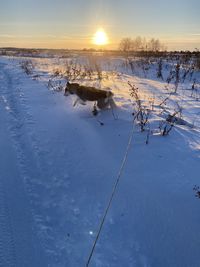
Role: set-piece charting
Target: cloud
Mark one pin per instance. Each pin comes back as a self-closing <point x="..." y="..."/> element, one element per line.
<point x="195" y="34"/>
<point x="14" y="36"/>
<point x="9" y="36"/>
<point x="75" y="37"/>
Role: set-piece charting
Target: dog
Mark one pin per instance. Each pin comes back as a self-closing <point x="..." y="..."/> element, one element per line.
<point x="103" y="98"/>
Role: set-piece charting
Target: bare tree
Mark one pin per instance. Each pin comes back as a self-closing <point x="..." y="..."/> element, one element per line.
<point x="154" y="45"/>
<point x="139" y="43"/>
<point x="126" y="44"/>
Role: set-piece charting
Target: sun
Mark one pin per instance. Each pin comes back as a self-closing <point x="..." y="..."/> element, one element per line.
<point x="100" y="37"/>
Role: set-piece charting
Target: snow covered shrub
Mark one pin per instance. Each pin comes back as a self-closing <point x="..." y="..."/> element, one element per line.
<point x="91" y="70"/>
<point x="177" y="76"/>
<point x="174" y="74"/>
<point x="185" y="74"/>
<point x="163" y="104"/>
<point x="57" y="72"/>
<point x="98" y="71"/>
<point x="141" y="113"/>
<point x="159" y="70"/>
<point x="131" y="64"/>
<point x="72" y="71"/>
<point x="88" y="73"/>
<point x="94" y="64"/>
<point x="56" y="81"/>
<point x="75" y="71"/>
<point x="55" y="85"/>
<point x="197" y="191"/>
<point x="145" y="65"/>
<point x="27" y="66"/>
<point x="170" y="76"/>
<point x="167" y="125"/>
<point x="194" y="90"/>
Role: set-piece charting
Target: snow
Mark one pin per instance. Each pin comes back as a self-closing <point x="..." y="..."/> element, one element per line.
<point x="58" y="167"/>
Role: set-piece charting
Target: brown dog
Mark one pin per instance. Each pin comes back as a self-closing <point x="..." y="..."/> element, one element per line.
<point x="103" y="98"/>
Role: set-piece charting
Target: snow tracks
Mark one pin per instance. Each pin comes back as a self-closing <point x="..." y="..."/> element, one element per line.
<point x="19" y="244"/>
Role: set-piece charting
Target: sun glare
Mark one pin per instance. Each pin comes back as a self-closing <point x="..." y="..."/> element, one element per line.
<point x="100" y="37"/>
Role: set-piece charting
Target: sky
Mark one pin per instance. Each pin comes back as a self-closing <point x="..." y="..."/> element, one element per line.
<point x="72" y="23"/>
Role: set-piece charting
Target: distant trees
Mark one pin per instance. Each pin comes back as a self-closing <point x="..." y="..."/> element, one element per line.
<point x="141" y="44"/>
<point x="126" y="45"/>
<point x="155" y="45"/>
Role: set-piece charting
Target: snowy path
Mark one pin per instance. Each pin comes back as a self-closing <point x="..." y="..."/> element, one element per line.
<point x="18" y="240"/>
<point x="57" y="170"/>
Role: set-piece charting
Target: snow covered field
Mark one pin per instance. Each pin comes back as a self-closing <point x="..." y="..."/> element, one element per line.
<point x="58" y="166"/>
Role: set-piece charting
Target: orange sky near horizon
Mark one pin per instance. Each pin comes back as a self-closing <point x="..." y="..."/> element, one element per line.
<point x="65" y="42"/>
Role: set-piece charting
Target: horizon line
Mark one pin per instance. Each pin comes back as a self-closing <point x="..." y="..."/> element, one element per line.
<point x="96" y="49"/>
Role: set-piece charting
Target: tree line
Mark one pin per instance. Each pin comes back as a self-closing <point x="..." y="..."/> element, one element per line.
<point x="141" y="44"/>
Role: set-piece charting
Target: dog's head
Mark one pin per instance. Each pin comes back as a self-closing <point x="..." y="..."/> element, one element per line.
<point x="70" y="88"/>
<point x="67" y="89"/>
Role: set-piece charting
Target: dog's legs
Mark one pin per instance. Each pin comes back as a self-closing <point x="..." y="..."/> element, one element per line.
<point x="103" y="103"/>
<point x="76" y="101"/>
<point x="112" y="103"/>
<point x="113" y="106"/>
<point x="95" y="111"/>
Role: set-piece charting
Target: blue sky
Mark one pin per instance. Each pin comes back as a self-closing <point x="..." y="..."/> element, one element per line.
<point x="71" y="23"/>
